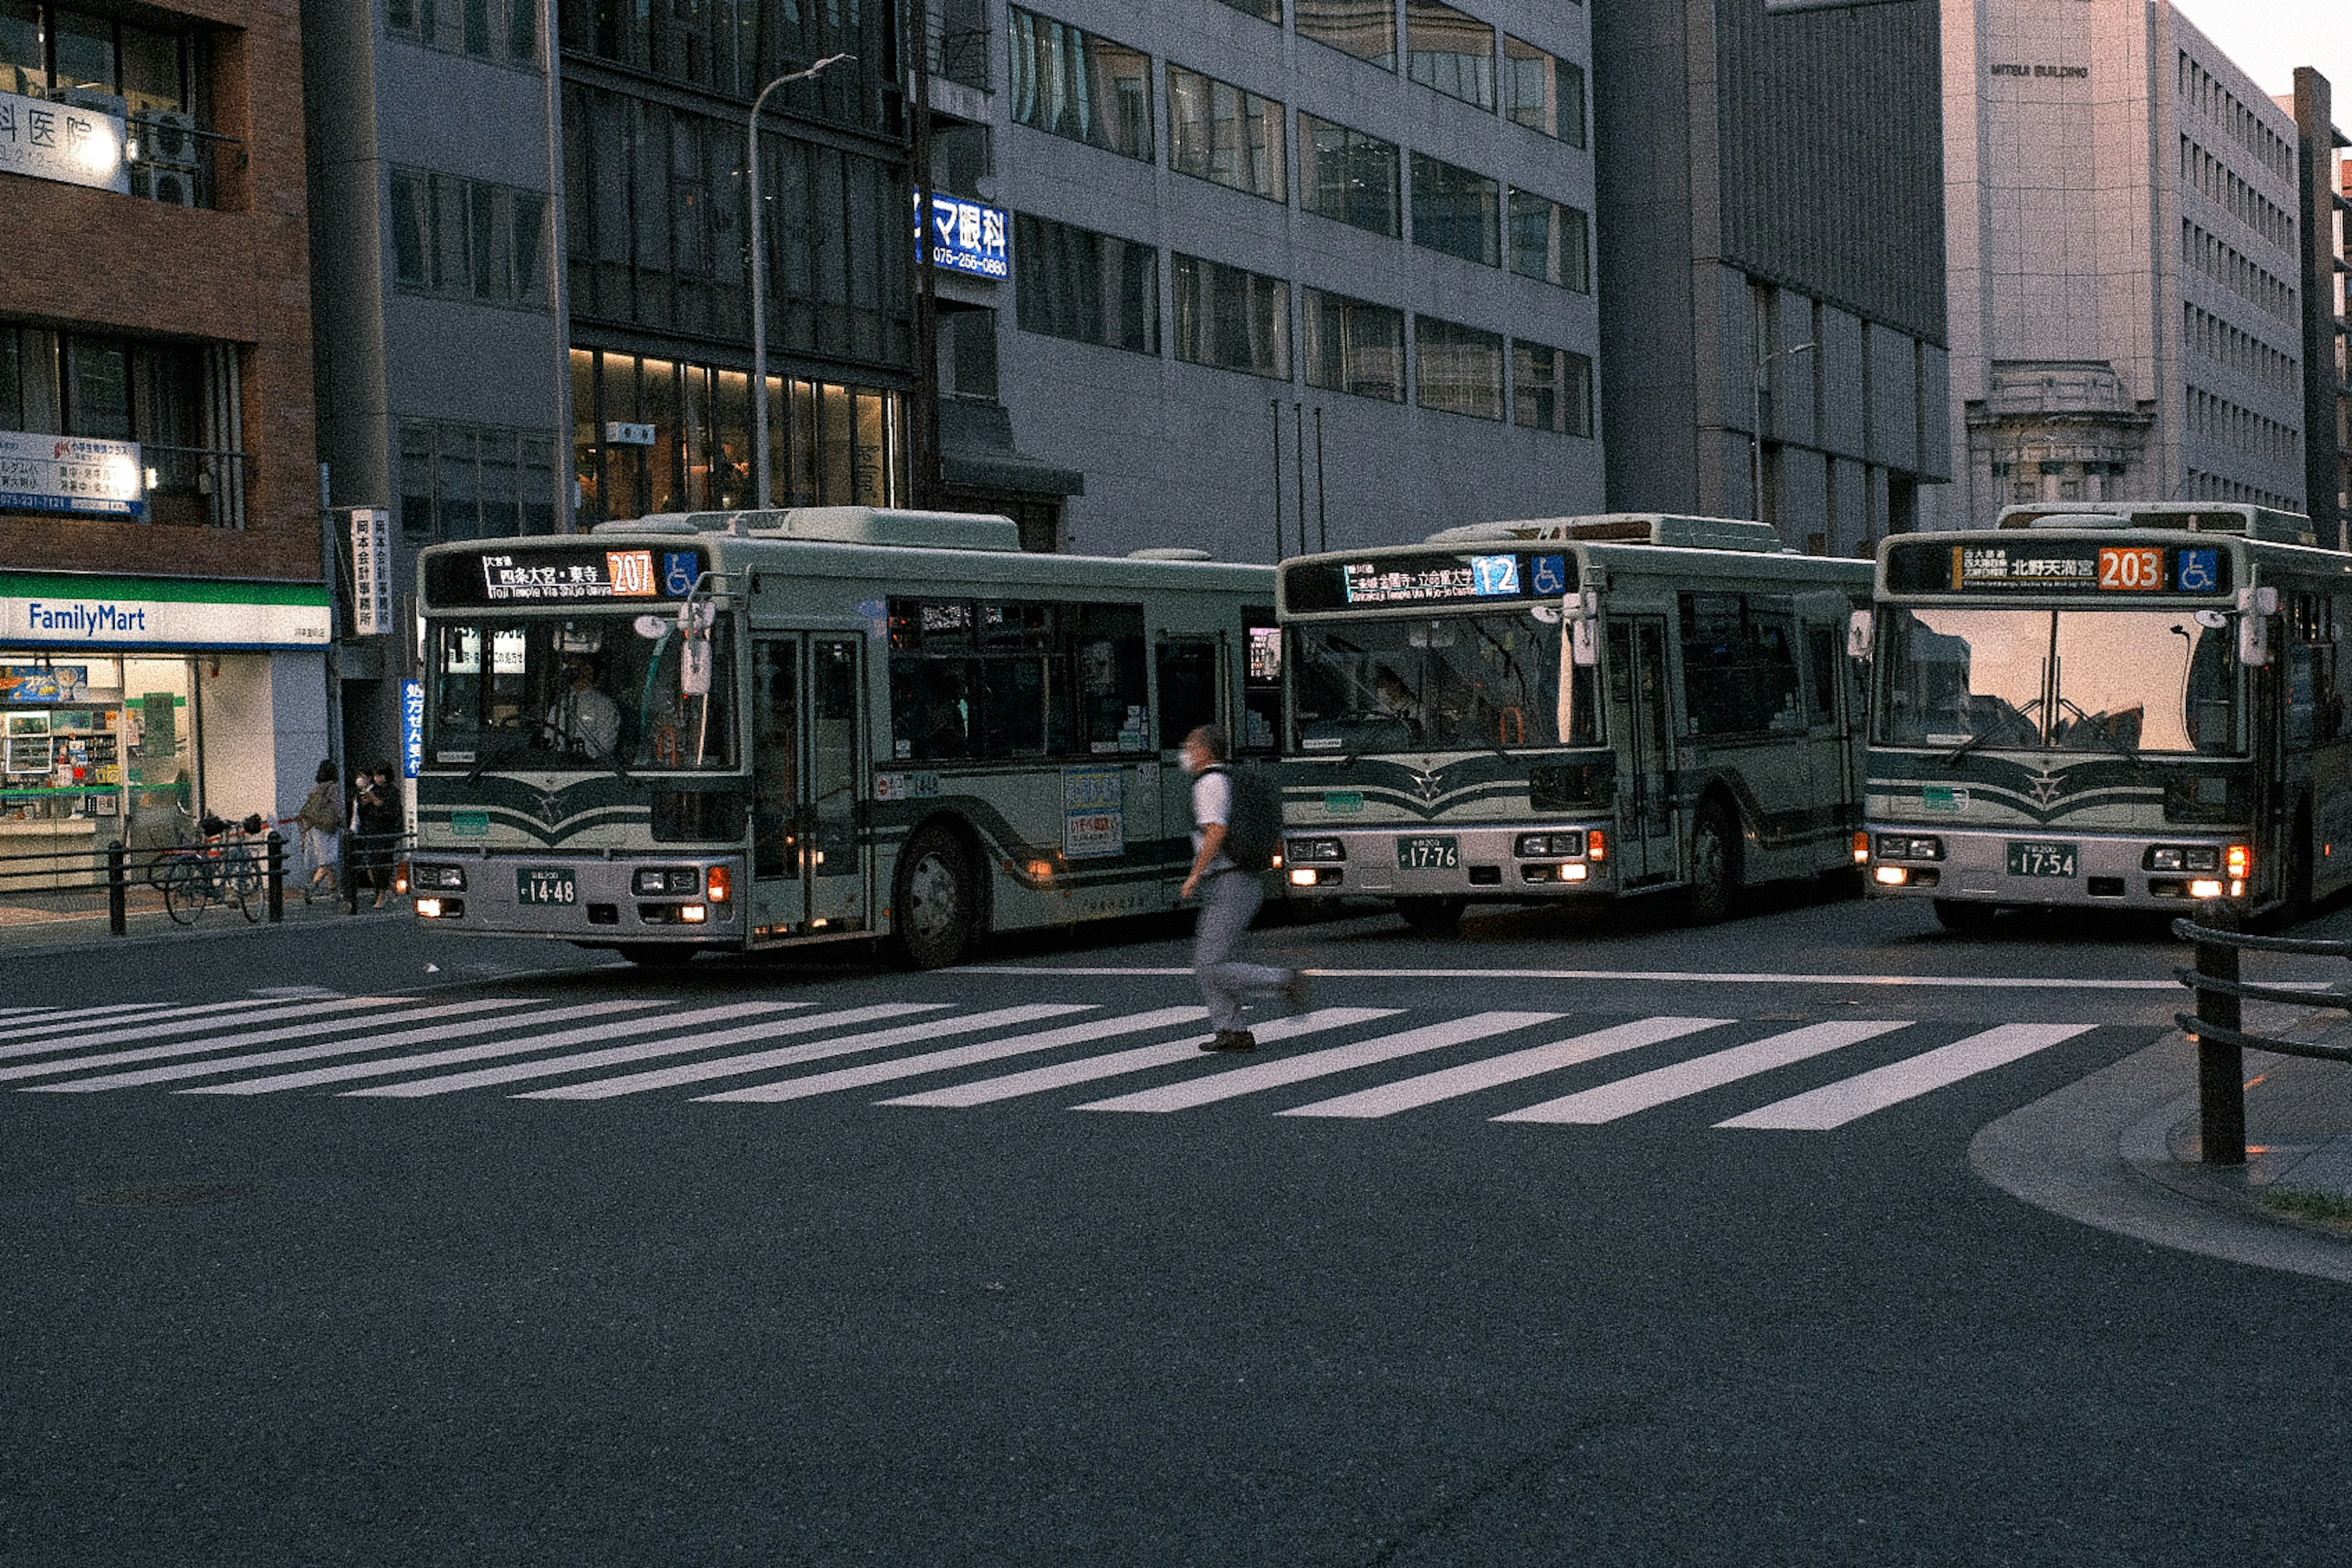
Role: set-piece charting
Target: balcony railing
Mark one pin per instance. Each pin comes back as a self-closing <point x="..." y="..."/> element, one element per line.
<point x="196" y="487"/>
<point x="173" y="162"/>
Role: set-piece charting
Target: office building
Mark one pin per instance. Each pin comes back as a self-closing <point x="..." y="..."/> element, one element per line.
<point x="163" y="623"/>
<point x="1274" y="275"/>
<point x="2127" y="297"/>
<point x="1771" y="264"/>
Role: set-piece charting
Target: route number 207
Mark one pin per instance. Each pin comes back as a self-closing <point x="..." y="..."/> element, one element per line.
<point x="2134" y="571"/>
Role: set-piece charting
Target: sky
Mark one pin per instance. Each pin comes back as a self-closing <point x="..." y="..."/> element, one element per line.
<point x="2269" y="38"/>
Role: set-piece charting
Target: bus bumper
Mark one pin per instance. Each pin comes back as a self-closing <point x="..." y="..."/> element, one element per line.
<point x="1490" y="863"/>
<point x="2004" y="865"/>
<point x="583" y="899"/>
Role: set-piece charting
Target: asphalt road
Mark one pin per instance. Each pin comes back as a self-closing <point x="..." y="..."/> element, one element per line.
<point x="368" y="1307"/>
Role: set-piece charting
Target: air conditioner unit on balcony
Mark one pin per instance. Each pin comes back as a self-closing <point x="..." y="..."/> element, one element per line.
<point x="174" y="187"/>
<point x="167" y="137"/>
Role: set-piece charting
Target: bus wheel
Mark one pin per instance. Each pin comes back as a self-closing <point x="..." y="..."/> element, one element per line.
<point x="1432" y="917"/>
<point x="657" y="954"/>
<point x="934" y="908"/>
<point x="1964" y="919"/>
<point x="1712" y="877"/>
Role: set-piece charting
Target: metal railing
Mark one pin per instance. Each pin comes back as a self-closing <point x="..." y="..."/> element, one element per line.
<point x="243" y="872"/>
<point x="959" y="41"/>
<point x="173" y="162"/>
<point x="2219" y="1025"/>
<point x="199" y="486"/>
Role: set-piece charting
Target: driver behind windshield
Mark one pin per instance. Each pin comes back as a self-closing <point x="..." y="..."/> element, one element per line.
<point x="583" y="720"/>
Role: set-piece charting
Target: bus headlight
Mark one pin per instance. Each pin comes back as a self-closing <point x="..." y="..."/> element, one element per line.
<point x="1313" y="849"/>
<point x="1904" y="846"/>
<point x="2205" y="887"/>
<point x="1538" y="845"/>
<point x="439" y="909"/>
<point x="658" y="880"/>
<point x="448" y="878"/>
<point x="1891" y="876"/>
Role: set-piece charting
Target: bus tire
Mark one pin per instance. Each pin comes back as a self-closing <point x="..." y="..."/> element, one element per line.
<point x="935" y="908"/>
<point x="657" y="954"/>
<point x="1713" y="866"/>
<point x="1962" y="918"/>
<point x="1432" y="917"/>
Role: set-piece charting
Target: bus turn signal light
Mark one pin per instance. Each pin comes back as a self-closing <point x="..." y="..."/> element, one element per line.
<point x="2238" y="861"/>
<point x="719" y="885"/>
<point x="1861" y="849"/>
<point x="1596" y="844"/>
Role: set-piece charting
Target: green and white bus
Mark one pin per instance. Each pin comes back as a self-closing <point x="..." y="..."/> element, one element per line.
<point x="1570" y="707"/>
<point x="750" y="729"/>
<point x="2129" y="705"/>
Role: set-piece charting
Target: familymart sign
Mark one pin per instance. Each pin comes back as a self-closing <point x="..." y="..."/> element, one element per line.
<point x="67" y="610"/>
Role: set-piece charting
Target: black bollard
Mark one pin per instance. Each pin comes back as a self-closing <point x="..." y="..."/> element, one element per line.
<point x="2220" y="1068"/>
<point x="117" y="887"/>
<point x="277" y="873"/>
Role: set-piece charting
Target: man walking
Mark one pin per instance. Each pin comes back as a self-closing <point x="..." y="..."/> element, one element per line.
<point x="1229" y="896"/>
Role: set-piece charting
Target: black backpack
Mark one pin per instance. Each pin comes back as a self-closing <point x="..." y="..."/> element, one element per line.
<point x="1253" y="821"/>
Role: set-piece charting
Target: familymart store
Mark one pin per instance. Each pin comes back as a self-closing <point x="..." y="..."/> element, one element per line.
<point x="129" y="706"/>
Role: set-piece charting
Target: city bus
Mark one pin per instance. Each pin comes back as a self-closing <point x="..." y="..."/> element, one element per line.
<point x="751" y="729"/>
<point x="2115" y="705"/>
<point x="1565" y="708"/>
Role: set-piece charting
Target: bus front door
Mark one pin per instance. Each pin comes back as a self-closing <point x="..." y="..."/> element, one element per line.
<point x="1637" y="703"/>
<point x="808" y="756"/>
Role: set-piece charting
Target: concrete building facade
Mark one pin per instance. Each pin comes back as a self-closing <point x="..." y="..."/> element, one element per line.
<point x="164" y="627"/>
<point x="1280" y="275"/>
<point x="2127" y="300"/>
<point x="1771" y="245"/>
<point x="2323" y="204"/>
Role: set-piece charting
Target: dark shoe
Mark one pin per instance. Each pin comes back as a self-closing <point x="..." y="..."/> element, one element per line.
<point x="1294" y="990"/>
<point x="1231" y="1040"/>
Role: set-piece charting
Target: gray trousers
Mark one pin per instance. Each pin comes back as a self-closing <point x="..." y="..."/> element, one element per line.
<point x="1228" y="900"/>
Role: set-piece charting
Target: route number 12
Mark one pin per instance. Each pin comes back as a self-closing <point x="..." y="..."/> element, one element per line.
<point x="2133" y="571"/>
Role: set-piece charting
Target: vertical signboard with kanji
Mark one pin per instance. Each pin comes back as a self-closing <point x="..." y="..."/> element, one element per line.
<point x="370" y="571"/>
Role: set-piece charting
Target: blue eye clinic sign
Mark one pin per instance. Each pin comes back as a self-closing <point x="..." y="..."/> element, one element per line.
<point x="969" y="237"/>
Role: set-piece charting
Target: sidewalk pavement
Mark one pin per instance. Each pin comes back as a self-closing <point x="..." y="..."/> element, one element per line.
<point x="78" y="918"/>
<point x="2119" y="1151"/>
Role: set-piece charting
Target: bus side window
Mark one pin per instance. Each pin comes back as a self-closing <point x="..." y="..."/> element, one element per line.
<point x="1187" y="689"/>
<point x="1262" y="726"/>
<point x="1113" y="715"/>
<point x="1825" y="653"/>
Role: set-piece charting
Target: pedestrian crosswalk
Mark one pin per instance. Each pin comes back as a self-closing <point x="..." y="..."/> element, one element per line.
<point x="1553" y="1068"/>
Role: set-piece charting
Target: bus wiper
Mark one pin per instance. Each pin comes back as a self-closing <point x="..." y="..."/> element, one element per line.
<point x="1982" y="736"/>
<point x="498" y="758"/>
<point x="2111" y="741"/>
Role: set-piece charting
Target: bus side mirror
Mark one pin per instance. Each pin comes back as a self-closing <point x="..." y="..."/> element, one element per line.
<point x="1858" y="632"/>
<point x="694" y="623"/>
<point x="1584" y="630"/>
<point x="2256" y="607"/>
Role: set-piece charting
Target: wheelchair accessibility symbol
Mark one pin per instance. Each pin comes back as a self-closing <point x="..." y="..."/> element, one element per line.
<point x="679" y="569"/>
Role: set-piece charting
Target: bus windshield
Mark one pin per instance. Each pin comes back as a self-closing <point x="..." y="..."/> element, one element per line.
<point x="2126" y="681"/>
<point x="592" y="692"/>
<point x="1435" y="683"/>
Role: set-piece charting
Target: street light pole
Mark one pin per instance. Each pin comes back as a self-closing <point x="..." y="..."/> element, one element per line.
<point x="1756" y="424"/>
<point x="762" y="489"/>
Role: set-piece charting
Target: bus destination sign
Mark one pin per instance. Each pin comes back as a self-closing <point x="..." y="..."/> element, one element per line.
<point x="2070" y="566"/>
<point x="1422" y="579"/>
<point x="564" y="575"/>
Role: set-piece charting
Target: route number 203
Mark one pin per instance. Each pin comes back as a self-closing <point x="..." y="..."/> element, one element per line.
<point x="2133" y="571"/>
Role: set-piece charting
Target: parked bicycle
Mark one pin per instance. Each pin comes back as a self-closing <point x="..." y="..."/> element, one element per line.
<point x="228" y="866"/>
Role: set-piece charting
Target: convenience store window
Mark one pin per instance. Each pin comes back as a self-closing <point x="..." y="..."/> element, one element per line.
<point x="97" y="747"/>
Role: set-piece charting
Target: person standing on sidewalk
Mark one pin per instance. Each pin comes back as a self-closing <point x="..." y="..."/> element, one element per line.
<point x="322" y="817"/>
<point x="1230" y="897"/>
<point x="376" y="818"/>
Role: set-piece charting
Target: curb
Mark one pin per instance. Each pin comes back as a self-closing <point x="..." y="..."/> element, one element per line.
<point x="2098" y="1152"/>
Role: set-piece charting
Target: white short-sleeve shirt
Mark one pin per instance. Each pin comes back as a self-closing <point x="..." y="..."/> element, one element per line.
<point x="1213" y="801"/>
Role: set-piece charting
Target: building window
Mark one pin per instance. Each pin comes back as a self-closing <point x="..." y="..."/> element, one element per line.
<point x="1550" y="242"/>
<point x="179" y="401"/>
<point x="1461" y="368"/>
<point x="1071" y="83"/>
<point x="1542" y="91"/>
<point x="1364" y="28"/>
<point x="1456" y="211"/>
<point x="1349" y="176"/>
<point x="504" y="32"/>
<point x="1551" y="389"/>
<point x="475" y="481"/>
<point x="735" y="46"/>
<point x="1232" y="318"/>
<point x="468" y="239"/>
<point x="1451" y="51"/>
<point x="1092" y="288"/>
<point x="1353" y="345"/>
<point x="1218" y="132"/>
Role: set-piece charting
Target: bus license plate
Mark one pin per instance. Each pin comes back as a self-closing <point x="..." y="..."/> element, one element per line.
<point x="2029" y="858"/>
<point x="541" y="887"/>
<point x="1422" y="854"/>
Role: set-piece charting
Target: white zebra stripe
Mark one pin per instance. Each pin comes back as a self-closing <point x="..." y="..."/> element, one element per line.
<point x="1644" y="1091"/>
<point x="1450" y="1083"/>
<point x="1317" y="1064"/>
